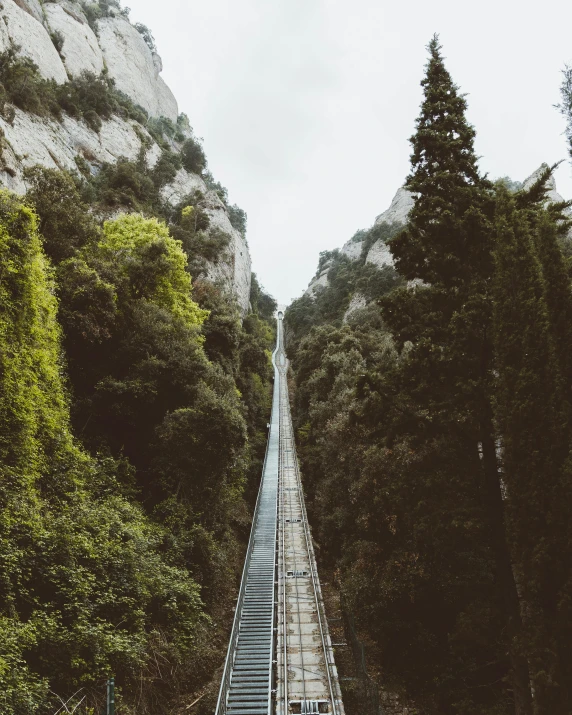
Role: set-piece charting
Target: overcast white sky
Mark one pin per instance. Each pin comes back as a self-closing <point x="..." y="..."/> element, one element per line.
<point x="306" y="106"/>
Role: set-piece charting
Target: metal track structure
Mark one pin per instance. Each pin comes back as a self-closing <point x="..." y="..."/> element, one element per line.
<point x="293" y="673"/>
<point x="247" y="681"/>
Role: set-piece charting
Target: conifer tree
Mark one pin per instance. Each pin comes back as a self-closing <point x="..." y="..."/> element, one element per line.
<point x="531" y="300"/>
<point x="556" y="288"/>
<point x="448" y="245"/>
<point x="439" y="244"/>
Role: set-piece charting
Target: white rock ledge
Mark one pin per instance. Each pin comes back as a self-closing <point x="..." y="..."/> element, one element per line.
<point x="80" y="51"/>
<point x="24" y="31"/>
<point x="131" y="64"/>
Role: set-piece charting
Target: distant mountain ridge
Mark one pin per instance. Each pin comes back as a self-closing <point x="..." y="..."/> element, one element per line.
<point x="379" y="254"/>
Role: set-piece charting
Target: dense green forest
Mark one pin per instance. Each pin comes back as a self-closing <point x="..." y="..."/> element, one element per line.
<point x="435" y="427"/>
<point x="133" y="406"/>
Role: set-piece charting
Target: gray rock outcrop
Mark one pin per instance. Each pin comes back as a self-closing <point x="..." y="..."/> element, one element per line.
<point x="26" y="25"/>
<point x="132" y="65"/>
<point x="234" y="269"/>
<point x="397" y="213"/>
<point x="399" y="209"/>
<point x="357" y="302"/>
<point x="28" y="140"/>
<point x="22" y="30"/>
<point x="552" y="195"/>
<point x="352" y="249"/>
<point x="379" y="255"/>
<point x="319" y="281"/>
<point x="32" y="7"/>
<point x="80" y="51"/>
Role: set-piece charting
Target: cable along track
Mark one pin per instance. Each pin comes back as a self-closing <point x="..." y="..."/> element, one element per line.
<point x="280" y="659"/>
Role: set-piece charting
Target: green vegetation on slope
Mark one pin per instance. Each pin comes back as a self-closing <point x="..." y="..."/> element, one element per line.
<point x="88" y="587"/>
<point x="435" y="434"/>
<point x="134" y="409"/>
<point x="346" y="278"/>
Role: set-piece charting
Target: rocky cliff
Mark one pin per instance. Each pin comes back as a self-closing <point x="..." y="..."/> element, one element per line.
<point x="379" y="254"/>
<point x="66" y="39"/>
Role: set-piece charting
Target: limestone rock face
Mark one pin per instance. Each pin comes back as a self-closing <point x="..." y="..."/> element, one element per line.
<point x="233" y="270"/>
<point x="130" y="63"/>
<point x="4" y="36"/>
<point x="553" y="196"/>
<point x="32" y="7"/>
<point x="153" y="155"/>
<point x="380" y="255"/>
<point x="399" y="209"/>
<point x="31" y="140"/>
<point x="120" y="47"/>
<point x="25" y="31"/>
<point x="320" y="281"/>
<point x="352" y="249"/>
<point x="80" y="51"/>
<point x="183" y="185"/>
<point x="398" y="212"/>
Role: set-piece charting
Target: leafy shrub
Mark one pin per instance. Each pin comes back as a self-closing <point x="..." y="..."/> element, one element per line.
<point x="125" y="183"/>
<point x="86" y="580"/>
<point x="94" y="11"/>
<point x="166" y="168"/>
<point x="216" y="186"/>
<point x="93" y="120"/>
<point x="23" y="85"/>
<point x="164" y="279"/>
<point x="145" y="33"/>
<point x="58" y="39"/>
<point x="65" y="222"/>
<point x="85" y="97"/>
<point x="262" y="303"/>
<point x="237" y="218"/>
<point x="152" y="381"/>
<point x="83" y="166"/>
<point x="161" y="127"/>
<point x="193" y="156"/>
<point x="203" y="245"/>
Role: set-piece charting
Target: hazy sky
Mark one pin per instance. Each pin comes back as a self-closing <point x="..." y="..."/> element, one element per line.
<point x="306" y="106"/>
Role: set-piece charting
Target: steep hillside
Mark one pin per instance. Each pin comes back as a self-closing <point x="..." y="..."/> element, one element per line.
<point x="75" y="124"/>
<point x="135" y="376"/>
<point x="431" y="358"/>
<point x="345" y="277"/>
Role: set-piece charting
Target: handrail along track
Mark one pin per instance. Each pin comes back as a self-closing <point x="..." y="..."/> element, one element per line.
<point x="248" y="677"/>
<point x="250" y="683"/>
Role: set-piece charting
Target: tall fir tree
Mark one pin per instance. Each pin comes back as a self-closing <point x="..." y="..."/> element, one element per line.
<point x="442" y="244"/>
<point x="448" y="245"/>
<point x="532" y="300"/>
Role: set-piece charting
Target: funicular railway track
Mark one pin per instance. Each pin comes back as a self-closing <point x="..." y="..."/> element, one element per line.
<point x="280" y="658"/>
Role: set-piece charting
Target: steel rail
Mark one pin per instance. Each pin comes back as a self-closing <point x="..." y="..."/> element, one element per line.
<point x="248" y="675"/>
<point x="283" y="581"/>
<point x="311" y="560"/>
<point x="284" y="413"/>
<point x="221" y="707"/>
<point x="316" y="589"/>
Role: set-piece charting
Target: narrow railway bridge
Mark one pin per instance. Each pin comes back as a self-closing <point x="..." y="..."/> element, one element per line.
<point x="280" y="659"/>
